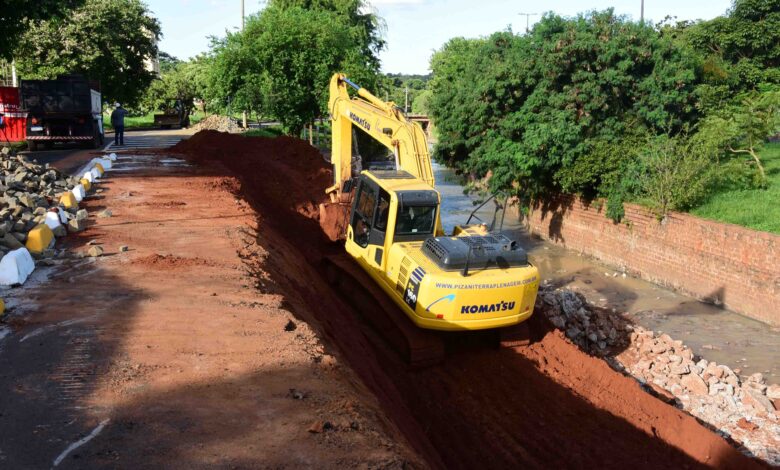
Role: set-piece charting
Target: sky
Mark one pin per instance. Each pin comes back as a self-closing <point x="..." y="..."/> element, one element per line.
<point x="414" y="28"/>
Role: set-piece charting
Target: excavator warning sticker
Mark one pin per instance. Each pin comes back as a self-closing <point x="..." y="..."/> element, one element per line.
<point x="413" y="287"/>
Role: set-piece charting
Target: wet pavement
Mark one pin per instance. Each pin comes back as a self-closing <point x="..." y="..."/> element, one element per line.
<point x="712" y="332"/>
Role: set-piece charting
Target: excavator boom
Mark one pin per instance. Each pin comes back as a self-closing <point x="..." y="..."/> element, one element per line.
<point x="381" y="120"/>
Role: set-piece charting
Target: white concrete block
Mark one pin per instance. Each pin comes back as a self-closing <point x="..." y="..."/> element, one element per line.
<point x="79" y="192"/>
<point x="15" y="267"/>
<point x="52" y="220"/>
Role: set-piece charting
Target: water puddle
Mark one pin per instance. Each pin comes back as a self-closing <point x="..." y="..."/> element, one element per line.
<point x="712" y="332"/>
<point x="130" y="162"/>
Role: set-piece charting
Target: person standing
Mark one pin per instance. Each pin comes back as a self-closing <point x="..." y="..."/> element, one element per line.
<point x="118" y="123"/>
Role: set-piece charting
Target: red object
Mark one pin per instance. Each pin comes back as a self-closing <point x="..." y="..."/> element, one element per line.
<point x="15" y="121"/>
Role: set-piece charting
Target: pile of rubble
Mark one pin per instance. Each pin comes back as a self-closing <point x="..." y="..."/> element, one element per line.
<point x="745" y="410"/>
<point x="38" y="204"/>
<point x="29" y="192"/>
<point x="593" y="329"/>
<point x="217" y="123"/>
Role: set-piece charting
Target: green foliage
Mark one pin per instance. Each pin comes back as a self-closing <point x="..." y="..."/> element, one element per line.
<point x="264" y="132"/>
<point x="106" y="40"/>
<point x="555" y="109"/>
<point x="742" y="128"/>
<point x="421" y="104"/>
<point x="756" y="208"/>
<point x="675" y="173"/>
<point x="743" y="48"/>
<point x="395" y="87"/>
<point x="282" y="62"/>
<point x="178" y="86"/>
<point x="365" y="28"/>
<point x="16" y="16"/>
<point x="167" y="62"/>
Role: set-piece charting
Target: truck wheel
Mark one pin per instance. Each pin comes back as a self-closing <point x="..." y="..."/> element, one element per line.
<point x="32" y="145"/>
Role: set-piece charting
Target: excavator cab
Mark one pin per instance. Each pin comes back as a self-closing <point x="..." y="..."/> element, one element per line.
<point x="388" y="207"/>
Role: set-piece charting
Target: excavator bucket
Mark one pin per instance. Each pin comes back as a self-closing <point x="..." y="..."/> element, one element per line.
<point x="334" y="217"/>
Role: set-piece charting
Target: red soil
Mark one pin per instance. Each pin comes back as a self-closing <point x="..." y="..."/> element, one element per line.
<point x="545" y="405"/>
<point x="169" y="261"/>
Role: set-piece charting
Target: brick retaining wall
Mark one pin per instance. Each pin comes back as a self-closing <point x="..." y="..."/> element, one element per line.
<point x="708" y="260"/>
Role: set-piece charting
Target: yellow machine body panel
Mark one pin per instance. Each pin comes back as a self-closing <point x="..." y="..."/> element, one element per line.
<point x="431" y="296"/>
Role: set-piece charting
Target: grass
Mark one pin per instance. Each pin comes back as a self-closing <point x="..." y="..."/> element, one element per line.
<point x="264" y="132"/>
<point x="145" y="121"/>
<point x="758" y="209"/>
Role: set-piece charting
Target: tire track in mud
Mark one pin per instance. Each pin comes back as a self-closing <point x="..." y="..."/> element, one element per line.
<point x="543" y="405"/>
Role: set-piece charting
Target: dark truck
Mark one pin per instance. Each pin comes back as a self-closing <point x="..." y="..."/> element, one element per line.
<point x="68" y="109"/>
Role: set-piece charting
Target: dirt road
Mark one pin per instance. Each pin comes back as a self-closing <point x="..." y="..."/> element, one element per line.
<point x="541" y="406"/>
<point x="168" y="355"/>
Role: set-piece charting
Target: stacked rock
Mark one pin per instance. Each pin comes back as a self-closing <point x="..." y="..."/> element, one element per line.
<point x="38" y="202"/>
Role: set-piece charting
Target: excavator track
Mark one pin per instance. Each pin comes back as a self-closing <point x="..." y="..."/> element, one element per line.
<point x="418" y="347"/>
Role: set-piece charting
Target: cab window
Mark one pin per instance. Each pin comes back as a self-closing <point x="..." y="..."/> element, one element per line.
<point x="364" y="215"/>
<point x="415" y="220"/>
<point x="382" y="211"/>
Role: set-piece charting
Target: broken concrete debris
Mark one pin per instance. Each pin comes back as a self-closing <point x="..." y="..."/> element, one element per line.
<point x="35" y="198"/>
<point x="744" y="409"/>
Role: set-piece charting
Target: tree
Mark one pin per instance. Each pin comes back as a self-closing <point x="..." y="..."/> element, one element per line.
<point x="106" y="40"/>
<point x="177" y="87"/>
<point x="744" y="46"/>
<point x="282" y="62"/>
<point x="744" y="127"/>
<point x="16" y="16"/>
<point x="366" y="28"/>
<point x="168" y="63"/>
<point x="554" y="110"/>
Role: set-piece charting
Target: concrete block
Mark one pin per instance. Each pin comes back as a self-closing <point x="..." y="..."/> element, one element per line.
<point x="79" y="192"/>
<point x="69" y="201"/>
<point x="86" y="183"/>
<point x="15" y="267"/>
<point x="52" y="220"/>
<point x="106" y="162"/>
<point x="39" y="238"/>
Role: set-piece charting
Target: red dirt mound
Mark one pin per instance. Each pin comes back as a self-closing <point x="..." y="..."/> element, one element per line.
<point x="283" y="173"/>
<point x="546" y="405"/>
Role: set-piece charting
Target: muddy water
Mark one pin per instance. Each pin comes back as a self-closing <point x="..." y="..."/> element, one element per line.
<point x="712" y="332"/>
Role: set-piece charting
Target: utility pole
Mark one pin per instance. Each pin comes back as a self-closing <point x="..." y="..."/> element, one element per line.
<point x="406" y="101"/>
<point x="642" y="13"/>
<point x="13" y="74"/>
<point x="242" y="29"/>
<point x="527" y="19"/>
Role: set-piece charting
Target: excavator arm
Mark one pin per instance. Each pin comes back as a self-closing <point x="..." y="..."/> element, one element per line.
<point x="382" y="121"/>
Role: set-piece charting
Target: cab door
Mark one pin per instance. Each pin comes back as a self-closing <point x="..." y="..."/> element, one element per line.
<point x="368" y="224"/>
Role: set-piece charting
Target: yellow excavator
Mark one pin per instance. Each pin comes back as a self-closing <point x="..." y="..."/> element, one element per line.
<point x="390" y="220"/>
